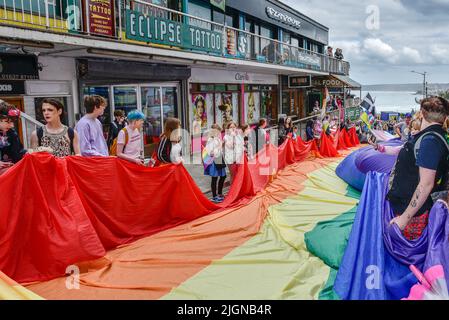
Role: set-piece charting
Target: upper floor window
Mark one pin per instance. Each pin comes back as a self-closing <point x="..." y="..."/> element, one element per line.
<point x="201" y="10"/>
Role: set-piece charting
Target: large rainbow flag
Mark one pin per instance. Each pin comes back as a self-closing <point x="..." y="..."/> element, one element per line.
<point x="280" y="237"/>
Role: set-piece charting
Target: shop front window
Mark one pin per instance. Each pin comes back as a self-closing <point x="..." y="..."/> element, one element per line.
<point x="151" y="108"/>
<point x="125" y="98"/>
<point x="158" y="104"/>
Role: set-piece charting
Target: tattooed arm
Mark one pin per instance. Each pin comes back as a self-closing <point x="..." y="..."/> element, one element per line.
<point x="425" y="186"/>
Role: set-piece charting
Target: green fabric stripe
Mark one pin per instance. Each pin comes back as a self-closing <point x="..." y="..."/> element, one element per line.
<point x="328" y="242"/>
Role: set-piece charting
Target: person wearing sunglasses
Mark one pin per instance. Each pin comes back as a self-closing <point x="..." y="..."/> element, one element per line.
<point x="11" y="149"/>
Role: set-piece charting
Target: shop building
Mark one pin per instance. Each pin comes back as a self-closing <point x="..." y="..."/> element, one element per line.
<point x="167" y="58"/>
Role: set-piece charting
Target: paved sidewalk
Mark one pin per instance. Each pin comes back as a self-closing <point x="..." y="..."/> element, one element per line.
<point x="202" y="181"/>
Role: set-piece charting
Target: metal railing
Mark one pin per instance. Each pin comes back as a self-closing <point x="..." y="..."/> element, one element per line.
<point x="29" y="125"/>
<point x="241" y="44"/>
<point x="66" y="16"/>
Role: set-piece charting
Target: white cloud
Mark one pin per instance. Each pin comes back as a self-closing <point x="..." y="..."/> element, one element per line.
<point x="410" y="55"/>
<point x="379" y="50"/>
<point x="440" y="53"/>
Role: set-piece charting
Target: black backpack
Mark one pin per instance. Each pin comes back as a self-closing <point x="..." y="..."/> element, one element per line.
<point x="70" y="133"/>
<point x="445" y="178"/>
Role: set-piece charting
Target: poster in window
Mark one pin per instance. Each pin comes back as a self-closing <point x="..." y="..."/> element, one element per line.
<point x="199" y="108"/>
<point x="225" y="109"/>
<point x="252" y="107"/>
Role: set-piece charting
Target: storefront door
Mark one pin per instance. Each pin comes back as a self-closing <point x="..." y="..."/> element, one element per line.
<point x="158" y="103"/>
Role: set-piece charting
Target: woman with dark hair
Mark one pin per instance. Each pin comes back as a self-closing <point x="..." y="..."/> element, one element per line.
<point x="282" y="135"/>
<point x="309" y="130"/>
<point x="62" y="140"/>
<point x="288" y="126"/>
<point x="11" y="149"/>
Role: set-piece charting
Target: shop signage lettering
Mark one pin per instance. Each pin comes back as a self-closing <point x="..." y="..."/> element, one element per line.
<point x="299" y="81"/>
<point x="243" y="44"/>
<point x="327" y="83"/>
<point x="286" y="19"/>
<point x="12" y="87"/>
<point x="18" y="67"/>
<point x="242" y="76"/>
<point x="101" y="18"/>
<point x="161" y="31"/>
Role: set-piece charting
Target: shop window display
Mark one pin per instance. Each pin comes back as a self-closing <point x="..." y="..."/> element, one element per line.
<point x="199" y="108"/>
<point x="226" y="107"/>
<point x="252" y="107"/>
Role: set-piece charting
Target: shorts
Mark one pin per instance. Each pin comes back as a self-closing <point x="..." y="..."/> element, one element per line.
<point x="415" y="228"/>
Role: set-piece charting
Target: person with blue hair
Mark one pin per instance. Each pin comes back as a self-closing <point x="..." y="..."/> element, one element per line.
<point x="129" y="140"/>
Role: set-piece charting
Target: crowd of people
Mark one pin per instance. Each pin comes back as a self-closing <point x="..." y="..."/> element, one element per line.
<point x="125" y="139"/>
<point x="337" y="55"/>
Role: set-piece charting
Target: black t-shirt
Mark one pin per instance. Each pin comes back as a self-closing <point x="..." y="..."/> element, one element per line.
<point x="12" y="149"/>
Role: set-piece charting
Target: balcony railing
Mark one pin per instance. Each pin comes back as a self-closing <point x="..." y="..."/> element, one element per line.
<point x="137" y="20"/>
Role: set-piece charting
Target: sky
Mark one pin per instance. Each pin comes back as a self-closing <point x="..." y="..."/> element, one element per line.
<point x="386" y="39"/>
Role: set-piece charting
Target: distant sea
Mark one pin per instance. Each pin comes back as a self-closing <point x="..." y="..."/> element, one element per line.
<point x="396" y="101"/>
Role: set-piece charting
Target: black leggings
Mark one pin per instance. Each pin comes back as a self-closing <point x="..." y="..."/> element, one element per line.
<point x="221" y="182"/>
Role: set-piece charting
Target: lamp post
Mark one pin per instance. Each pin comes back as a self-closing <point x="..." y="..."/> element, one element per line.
<point x="424" y="91"/>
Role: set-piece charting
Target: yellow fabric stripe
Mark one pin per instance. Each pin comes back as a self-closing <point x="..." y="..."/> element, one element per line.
<point x="9" y="290"/>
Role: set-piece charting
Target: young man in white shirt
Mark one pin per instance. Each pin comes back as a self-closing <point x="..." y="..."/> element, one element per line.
<point x="129" y="140"/>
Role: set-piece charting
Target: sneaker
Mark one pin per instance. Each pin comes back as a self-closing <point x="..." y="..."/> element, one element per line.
<point x="221" y="197"/>
<point x="217" y="200"/>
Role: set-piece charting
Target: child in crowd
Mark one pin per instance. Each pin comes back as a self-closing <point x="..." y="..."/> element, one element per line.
<point x="217" y="169"/>
<point x="129" y="141"/>
<point x="90" y="129"/>
<point x="11" y="149"/>
<point x="295" y="133"/>
<point x="62" y="140"/>
<point x="233" y="146"/>
<point x="245" y="132"/>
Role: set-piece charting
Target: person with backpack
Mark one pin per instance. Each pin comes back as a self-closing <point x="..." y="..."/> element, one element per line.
<point x="90" y="129"/>
<point x="116" y="126"/>
<point x="422" y="169"/>
<point x="62" y="140"/>
<point x="128" y="144"/>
